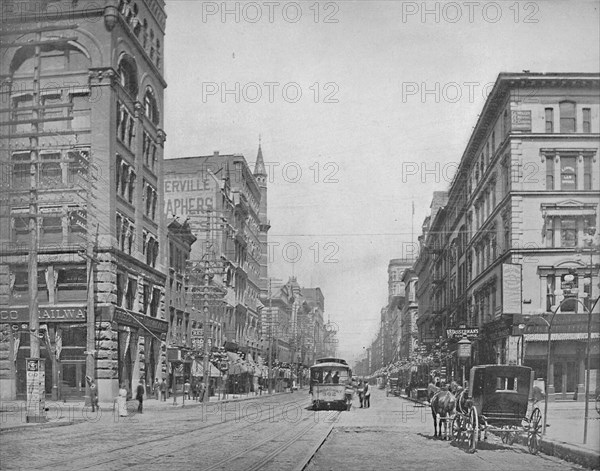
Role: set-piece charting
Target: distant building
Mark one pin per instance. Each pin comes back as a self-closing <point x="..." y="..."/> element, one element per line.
<point x="224" y="202"/>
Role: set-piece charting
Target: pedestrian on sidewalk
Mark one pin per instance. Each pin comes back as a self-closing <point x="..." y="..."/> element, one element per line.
<point x="140" y="396"/>
<point x="156" y="389"/>
<point x="361" y="393"/>
<point x="122" y="401"/>
<point x="195" y="390"/>
<point x="367" y="396"/>
<point x="163" y="390"/>
<point x="187" y="387"/>
<point x="94" y="396"/>
<point x="201" y="390"/>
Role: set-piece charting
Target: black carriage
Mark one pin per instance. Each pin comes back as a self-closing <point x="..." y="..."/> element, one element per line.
<point x="497" y="401"/>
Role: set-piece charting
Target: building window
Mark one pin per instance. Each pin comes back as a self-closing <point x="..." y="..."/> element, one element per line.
<point x="77" y="226"/>
<point x="72" y="284"/>
<point x="127" y="73"/>
<point x="549" y="112"/>
<point x="154" y="304"/>
<point x="51" y="230"/>
<point x="567" y="116"/>
<point x="51" y="171"/>
<point x="131" y="293"/>
<point x="78" y="166"/>
<point x="150" y="106"/>
<point x="52" y="112"/>
<point x="550" y="173"/>
<point x="21" y="169"/>
<point x="22" y="113"/>
<point x="19" y="292"/>
<point x="587" y="120"/>
<point x="505" y="123"/>
<point x="80" y="111"/>
<point x="568" y="173"/>
<point x="131" y="187"/>
<point x="568" y="232"/>
<point x="21" y="230"/>
<point x="587" y="173"/>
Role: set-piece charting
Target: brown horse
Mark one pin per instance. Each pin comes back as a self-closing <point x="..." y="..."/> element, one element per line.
<point x="443" y="407"/>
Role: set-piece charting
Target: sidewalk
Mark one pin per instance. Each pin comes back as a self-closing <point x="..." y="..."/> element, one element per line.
<point x="13" y="413"/>
<point x="564" y="432"/>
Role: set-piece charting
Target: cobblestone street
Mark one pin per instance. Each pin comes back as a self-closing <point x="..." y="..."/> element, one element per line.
<point x="262" y="433"/>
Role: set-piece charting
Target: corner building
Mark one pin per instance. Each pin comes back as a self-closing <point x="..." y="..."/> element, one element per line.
<point x="83" y="106"/>
<point x="520" y="219"/>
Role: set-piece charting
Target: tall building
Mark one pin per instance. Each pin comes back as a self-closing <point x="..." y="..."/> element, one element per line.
<point x="83" y="141"/>
<point x="512" y="251"/>
<point x="391" y="334"/>
<point x="222" y="199"/>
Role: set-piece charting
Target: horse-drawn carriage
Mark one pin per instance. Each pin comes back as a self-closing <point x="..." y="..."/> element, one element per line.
<point x="497" y="401"/>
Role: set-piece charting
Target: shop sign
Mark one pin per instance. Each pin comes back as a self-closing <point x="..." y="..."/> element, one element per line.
<point x="459" y="333"/>
<point x="134" y="319"/>
<point x="45" y="314"/>
<point x="36" y="393"/>
<point x="511" y="288"/>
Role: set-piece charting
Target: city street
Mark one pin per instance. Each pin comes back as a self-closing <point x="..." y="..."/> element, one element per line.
<point x="262" y="433"/>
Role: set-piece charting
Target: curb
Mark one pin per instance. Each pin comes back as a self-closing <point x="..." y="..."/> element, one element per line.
<point x="16" y="428"/>
<point x="108" y="406"/>
<point x="566" y="451"/>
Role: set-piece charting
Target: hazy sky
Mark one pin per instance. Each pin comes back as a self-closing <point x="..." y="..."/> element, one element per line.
<point x="335" y="90"/>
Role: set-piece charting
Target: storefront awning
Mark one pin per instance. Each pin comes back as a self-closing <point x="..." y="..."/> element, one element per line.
<point x="560" y="336"/>
<point x="198" y="370"/>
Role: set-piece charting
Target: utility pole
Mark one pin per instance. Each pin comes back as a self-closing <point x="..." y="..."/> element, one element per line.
<point x="270" y="338"/>
<point x="205" y="309"/>
<point x="36" y="385"/>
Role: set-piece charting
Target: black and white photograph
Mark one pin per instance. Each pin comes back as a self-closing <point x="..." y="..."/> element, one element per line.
<point x="300" y="235"/>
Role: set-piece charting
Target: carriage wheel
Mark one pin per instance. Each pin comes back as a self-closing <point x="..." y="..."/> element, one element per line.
<point x="534" y="433"/>
<point x="457" y="428"/>
<point x="473" y="430"/>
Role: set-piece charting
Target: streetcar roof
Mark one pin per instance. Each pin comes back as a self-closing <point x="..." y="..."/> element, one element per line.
<point x="330" y="366"/>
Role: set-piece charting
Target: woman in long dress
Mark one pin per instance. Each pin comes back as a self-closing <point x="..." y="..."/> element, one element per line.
<point x="122" y="401"/>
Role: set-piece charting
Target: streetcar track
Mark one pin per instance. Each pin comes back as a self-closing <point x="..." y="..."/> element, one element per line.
<point x="258" y="465"/>
<point x="207" y="439"/>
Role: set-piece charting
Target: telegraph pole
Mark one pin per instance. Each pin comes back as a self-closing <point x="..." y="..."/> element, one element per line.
<point x="270" y="338"/>
<point x="35" y="365"/>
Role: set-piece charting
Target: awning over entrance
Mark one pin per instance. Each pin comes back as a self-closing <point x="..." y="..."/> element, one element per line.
<point x="560" y="336"/>
<point x="198" y="370"/>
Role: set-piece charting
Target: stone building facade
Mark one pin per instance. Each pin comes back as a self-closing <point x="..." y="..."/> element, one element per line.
<point x="91" y="126"/>
<point x="519" y="221"/>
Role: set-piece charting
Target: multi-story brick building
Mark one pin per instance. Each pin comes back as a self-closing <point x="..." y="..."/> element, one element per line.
<point x="83" y="110"/>
<point x="224" y="202"/>
<point x="523" y="202"/>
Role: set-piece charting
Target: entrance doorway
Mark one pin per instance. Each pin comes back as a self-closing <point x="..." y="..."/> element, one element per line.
<point x="72" y="380"/>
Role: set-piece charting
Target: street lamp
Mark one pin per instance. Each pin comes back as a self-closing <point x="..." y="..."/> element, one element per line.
<point x="549" y="356"/>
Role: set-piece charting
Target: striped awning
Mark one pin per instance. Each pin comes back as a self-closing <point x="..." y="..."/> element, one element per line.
<point x="560" y="336"/>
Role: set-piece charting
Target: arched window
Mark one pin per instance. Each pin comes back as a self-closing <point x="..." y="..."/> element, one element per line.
<point x="54" y="58"/>
<point x="128" y="74"/>
<point x="150" y="106"/>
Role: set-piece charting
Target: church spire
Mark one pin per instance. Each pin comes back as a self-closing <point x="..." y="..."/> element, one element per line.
<point x="259" y="166"/>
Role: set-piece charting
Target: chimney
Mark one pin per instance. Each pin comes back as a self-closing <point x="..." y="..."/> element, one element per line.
<point x="216" y="153"/>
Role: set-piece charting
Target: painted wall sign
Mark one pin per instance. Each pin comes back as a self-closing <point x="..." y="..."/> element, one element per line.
<point x="188" y="195"/>
<point x="521" y="120"/>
